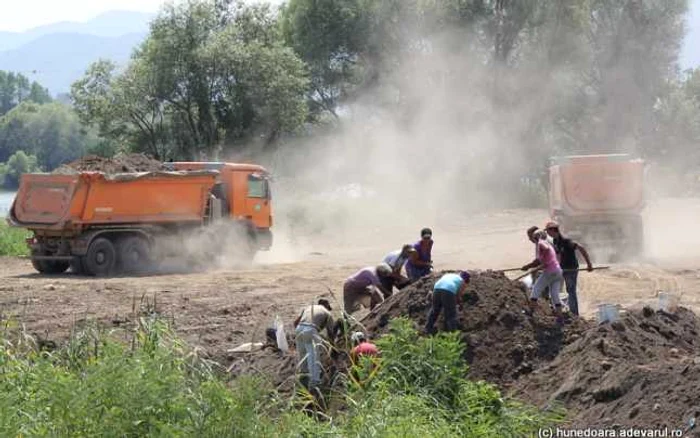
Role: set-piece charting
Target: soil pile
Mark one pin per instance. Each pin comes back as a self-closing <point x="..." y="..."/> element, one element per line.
<point x="120" y="163"/>
<point x="643" y="370"/>
<point x="502" y="343"/>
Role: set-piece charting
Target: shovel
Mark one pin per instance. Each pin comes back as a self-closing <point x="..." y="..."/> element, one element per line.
<point x="532" y="271"/>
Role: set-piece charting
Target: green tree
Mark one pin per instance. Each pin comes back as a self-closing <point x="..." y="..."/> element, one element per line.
<point x="51" y="132"/>
<point x="15" y="88"/>
<point x="18" y="164"/>
<point x="210" y="75"/>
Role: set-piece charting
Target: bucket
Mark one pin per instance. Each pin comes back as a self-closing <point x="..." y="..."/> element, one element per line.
<point x="608" y="313"/>
<point x="668" y="302"/>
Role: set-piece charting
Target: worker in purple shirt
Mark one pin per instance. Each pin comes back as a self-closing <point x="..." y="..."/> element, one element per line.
<point x="364" y="288"/>
<point x="420" y="262"/>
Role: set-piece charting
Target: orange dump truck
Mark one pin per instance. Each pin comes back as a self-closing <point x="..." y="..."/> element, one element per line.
<point x="101" y="224"/>
<point x="598" y="200"/>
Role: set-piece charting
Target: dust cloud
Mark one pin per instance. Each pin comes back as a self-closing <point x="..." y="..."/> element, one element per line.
<point x="448" y="153"/>
<point x="445" y="140"/>
<point x="672" y="231"/>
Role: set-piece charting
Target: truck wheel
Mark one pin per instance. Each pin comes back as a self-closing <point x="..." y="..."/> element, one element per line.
<point x="101" y="258"/>
<point x="51" y="266"/>
<point x="134" y="254"/>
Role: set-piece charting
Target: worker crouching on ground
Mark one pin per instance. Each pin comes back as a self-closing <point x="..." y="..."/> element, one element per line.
<point x="447" y="296"/>
<point x="551" y="277"/>
<point x="362" y="371"/>
<point x="566" y="251"/>
<point x="420" y="262"/>
<point x="396" y="261"/>
<point x="308" y="325"/>
<point x="365" y="288"/>
<point x="362" y="347"/>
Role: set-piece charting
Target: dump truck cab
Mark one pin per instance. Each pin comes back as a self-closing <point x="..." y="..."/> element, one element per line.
<point x="599" y="200"/>
<point x="242" y="192"/>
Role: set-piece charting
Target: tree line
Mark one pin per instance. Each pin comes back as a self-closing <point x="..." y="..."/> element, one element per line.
<point x="550" y="76"/>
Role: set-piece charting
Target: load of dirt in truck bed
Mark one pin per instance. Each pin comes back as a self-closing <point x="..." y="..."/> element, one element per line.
<point x="643" y="370"/>
<point x="502" y="343"/>
<point x="120" y="163"/>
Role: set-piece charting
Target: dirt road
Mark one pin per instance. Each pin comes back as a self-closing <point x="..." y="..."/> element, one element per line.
<point x="220" y="309"/>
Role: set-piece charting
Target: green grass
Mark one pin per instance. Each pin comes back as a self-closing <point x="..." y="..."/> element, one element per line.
<point x="12" y="240"/>
<point x="151" y="385"/>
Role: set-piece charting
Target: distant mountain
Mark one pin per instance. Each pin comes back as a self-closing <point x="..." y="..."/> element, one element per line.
<point x="108" y="24"/>
<point x="57" y="54"/>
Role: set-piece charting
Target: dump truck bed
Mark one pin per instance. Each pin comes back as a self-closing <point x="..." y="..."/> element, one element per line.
<point x="588" y="185"/>
<point x="65" y="202"/>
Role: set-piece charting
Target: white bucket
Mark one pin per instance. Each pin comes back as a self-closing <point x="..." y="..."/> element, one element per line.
<point x="608" y="313"/>
<point x="668" y="302"/>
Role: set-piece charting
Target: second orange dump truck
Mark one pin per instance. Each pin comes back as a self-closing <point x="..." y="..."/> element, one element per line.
<point x="99" y="224"/>
<point x="599" y="200"/>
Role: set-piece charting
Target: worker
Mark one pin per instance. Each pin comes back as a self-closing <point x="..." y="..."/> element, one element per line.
<point x="566" y="252"/>
<point x="551" y="277"/>
<point x="396" y="260"/>
<point x="420" y="262"/>
<point x="447" y="295"/>
<point x="362" y="347"/>
<point x="308" y="325"/>
<point x="365" y="288"/>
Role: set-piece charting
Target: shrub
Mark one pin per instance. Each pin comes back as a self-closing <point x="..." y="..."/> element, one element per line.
<point x="153" y="385"/>
<point x="12" y="240"/>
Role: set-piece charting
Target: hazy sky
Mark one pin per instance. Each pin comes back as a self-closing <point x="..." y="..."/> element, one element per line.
<point x="19" y="15"/>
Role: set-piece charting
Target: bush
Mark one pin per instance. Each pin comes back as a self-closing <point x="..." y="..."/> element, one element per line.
<point x="16" y="165"/>
<point x="152" y="385"/>
<point x="12" y="240"/>
<point x="419" y="389"/>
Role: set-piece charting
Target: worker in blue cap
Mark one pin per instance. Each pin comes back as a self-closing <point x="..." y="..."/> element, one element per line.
<point x="447" y="296"/>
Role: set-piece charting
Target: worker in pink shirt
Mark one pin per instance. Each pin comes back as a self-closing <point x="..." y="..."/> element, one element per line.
<point x="551" y="276"/>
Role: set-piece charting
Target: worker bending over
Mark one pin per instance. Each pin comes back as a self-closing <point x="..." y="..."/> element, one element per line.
<point x="447" y="296"/>
<point x="364" y="288"/>
<point x="308" y="325"/>
<point x="396" y="261"/>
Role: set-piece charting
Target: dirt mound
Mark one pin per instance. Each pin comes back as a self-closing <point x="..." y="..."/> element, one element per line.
<point x="643" y="370"/>
<point x="502" y="342"/>
<point x="120" y="163"/>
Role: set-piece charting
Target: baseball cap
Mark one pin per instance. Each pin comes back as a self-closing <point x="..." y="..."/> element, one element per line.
<point x="465" y="275"/>
<point x="426" y="232"/>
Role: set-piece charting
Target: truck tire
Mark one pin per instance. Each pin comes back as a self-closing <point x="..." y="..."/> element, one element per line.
<point x="51" y="266"/>
<point x="133" y="254"/>
<point x="101" y="258"/>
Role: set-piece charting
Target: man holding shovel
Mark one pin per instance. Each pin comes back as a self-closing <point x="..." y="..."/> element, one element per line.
<point x="566" y="251"/>
<point x="551" y="277"/>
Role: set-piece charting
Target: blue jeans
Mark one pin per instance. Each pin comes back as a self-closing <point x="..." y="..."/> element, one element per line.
<point x="307" y="343"/>
<point x="571" y="280"/>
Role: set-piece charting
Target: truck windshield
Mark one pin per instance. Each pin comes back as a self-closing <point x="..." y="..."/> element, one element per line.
<point x="257" y="187"/>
